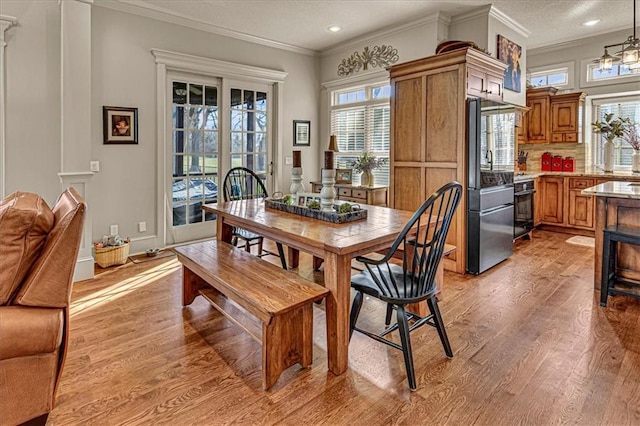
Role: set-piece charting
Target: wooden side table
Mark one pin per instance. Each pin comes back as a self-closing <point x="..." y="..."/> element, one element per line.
<point x="373" y="195"/>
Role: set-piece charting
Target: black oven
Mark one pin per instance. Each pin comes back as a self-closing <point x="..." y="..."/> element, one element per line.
<point x="523" y="208"/>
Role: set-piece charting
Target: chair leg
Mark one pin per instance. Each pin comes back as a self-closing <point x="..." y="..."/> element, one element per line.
<point x="234" y="241"/>
<point x="403" y="329"/>
<point x="247" y="246"/>
<point x="283" y="259"/>
<point x="260" y="241"/>
<point x="437" y="319"/>
<point x="387" y="319"/>
<point x="355" y="312"/>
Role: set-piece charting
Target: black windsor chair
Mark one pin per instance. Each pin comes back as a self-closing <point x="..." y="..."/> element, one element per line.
<point x="414" y="281"/>
<point x="241" y="183"/>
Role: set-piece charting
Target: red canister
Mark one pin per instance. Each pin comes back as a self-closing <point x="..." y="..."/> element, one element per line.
<point x="546" y="162"/>
<point x="556" y="163"/>
<point x="567" y="164"/>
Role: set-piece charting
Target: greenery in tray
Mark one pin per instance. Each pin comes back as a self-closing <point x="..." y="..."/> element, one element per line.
<point x="287" y="199"/>
<point x="345" y="208"/>
<point x="314" y="205"/>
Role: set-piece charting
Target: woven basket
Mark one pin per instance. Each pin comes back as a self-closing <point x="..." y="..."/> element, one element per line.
<point x="109" y="256"/>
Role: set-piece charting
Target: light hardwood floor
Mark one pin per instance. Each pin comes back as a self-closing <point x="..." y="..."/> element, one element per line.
<point x="531" y="345"/>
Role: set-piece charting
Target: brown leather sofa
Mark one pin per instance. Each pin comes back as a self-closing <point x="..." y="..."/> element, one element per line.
<point x="38" y="252"/>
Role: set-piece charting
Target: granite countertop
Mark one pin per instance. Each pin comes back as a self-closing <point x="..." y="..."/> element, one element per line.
<point x="615" y="190"/>
<point x="590" y="172"/>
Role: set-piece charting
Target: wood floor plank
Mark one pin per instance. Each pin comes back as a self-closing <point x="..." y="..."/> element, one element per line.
<point x="531" y="346"/>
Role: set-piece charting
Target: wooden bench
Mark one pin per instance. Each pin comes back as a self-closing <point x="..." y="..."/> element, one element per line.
<point x="273" y="305"/>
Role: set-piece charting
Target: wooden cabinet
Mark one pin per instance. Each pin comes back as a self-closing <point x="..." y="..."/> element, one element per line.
<point x="537" y="202"/>
<point x="428" y="137"/>
<point x="566" y="117"/>
<point x="581" y="207"/>
<point x="521" y="124"/>
<point x="375" y="195"/>
<point x="538" y="117"/>
<point x="552" y="200"/>
<point x="482" y="83"/>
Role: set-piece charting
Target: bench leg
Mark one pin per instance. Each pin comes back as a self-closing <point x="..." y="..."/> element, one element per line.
<point x="191" y="283"/>
<point x="286" y="340"/>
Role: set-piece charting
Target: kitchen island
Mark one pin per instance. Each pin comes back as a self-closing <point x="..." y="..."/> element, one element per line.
<point x="617" y="205"/>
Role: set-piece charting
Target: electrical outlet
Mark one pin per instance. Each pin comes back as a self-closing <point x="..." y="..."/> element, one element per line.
<point x="113" y="230"/>
<point x="288" y="160"/>
<point x="94" y="166"/>
<point x="142" y="226"/>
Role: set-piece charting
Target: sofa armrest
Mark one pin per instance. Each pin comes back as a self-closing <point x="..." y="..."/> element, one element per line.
<point x="26" y="331"/>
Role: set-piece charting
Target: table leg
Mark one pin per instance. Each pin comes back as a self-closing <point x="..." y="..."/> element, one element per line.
<point x="337" y="279"/>
<point x="294" y="257"/>
<point x="224" y="230"/>
<point x="317" y="262"/>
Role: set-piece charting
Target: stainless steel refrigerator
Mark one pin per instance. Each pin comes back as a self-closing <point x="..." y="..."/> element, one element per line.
<point x="490" y="214"/>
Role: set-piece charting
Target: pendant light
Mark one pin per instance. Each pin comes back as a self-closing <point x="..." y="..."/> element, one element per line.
<point x="629" y="54"/>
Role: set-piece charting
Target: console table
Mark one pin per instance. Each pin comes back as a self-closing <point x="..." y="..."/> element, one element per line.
<point x="373" y="195"/>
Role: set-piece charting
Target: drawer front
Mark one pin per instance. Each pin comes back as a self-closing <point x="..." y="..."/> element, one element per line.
<point x="581" y="183"/>
<point x="571" y="137"/>
<point x="358" y="193"/>
<point x="556" y="137"/>
<point x="344" y="192"/>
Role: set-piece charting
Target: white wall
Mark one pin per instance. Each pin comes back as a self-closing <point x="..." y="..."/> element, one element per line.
<point x="123" y="74"/>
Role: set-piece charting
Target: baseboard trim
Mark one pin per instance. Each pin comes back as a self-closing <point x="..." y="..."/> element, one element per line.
<point x="84" y="269"/>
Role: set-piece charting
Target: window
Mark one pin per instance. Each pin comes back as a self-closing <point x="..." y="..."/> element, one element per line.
<point x="195" y="150"/>
<point x="619" y="70"/>
<point x="626" y="108"/>
<point x="556" y="75"/>
<point x="497" y="135"/>
<point x="360" y="121"/>
<point x="249" y="130"/>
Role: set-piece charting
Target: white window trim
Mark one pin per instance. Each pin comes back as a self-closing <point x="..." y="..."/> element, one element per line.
<point x="6" y="22"/>
<point x="571" y="72"/>
<point x="586" y="82"/>
<point x="589" y="103"/>
<point x="174" y="61"/>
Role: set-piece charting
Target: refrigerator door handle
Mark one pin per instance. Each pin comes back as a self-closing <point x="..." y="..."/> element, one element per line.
<point x="494" y="209"/>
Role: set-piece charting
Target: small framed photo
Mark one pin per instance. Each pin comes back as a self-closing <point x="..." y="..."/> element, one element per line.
<point x="301" y="200"/>
<point x="301" y="133"/>
<point x="344" y="175"/>
<point x="120" y="125"/>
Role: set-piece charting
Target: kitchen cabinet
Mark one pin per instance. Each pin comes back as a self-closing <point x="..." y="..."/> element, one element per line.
<point x="428" y="135"/>
<point x="538" y="117"/>
<point x="537" y="202"/>
<point x="566" y="117"/>
<point x="375" y="195"/>
<point x="552" y="200"/>
<point x="521" y="125"/>
<point x="484" y="84"/>
<point x="581" y="207"/>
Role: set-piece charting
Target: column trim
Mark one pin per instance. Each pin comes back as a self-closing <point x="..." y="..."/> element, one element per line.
<point x="6" y="22"/>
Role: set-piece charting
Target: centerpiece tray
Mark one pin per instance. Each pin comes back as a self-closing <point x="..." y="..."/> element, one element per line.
<point x="358" y="213"/>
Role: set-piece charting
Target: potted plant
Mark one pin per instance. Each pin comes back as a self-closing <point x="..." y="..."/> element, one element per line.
<point x="366" y="164"/>
<point x="610" y="129"/>
<point x="632" y="137"/>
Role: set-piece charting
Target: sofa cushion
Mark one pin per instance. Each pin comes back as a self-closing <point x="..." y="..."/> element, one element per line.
<point x="27" y="331"/>
<point x="25" y="221"/>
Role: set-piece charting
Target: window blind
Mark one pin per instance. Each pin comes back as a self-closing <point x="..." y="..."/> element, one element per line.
<point x="623" y="108"/>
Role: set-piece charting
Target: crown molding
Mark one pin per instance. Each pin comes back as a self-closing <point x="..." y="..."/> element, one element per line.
<point x="509" y="22"/>
<point x="438" y="17"/>
<point x="596" y="38"/>
<point x="142" y="8"/>
<point x="492" y="11"/>
<point x="184" y="62"/>
<point x="7" y="22"/>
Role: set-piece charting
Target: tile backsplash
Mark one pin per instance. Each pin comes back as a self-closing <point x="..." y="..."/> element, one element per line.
<point x="536" y="150"/>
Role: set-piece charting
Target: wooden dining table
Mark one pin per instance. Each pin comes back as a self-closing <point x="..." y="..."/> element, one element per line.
<point x="336" y="244"/>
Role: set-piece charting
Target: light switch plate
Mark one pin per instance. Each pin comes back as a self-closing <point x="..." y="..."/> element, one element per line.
<point x="94" y="166"/>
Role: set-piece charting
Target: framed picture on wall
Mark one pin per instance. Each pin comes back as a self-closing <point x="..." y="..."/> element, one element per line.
<point x="301" y="133"/>
<point x="120" y="125"/>
<point x="510" y="53"/>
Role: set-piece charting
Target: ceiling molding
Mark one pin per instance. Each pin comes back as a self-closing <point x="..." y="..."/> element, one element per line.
<point x="141" y="8"/>
<point x="480" y="12"/>
<point x="597" y="38"/>
<point x="509" y="22"/>
<point x="7" y="22"/>
<point x="190" y="63"/>
<point x="438" y="17"/>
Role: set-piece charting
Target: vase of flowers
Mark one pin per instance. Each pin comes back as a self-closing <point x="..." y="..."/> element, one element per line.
<point x="366" y="164"/>
<point x="632" y="137"/>
<point x="610" y="129"/>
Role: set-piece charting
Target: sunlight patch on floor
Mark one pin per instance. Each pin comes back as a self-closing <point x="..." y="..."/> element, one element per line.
<point x="123" y="288"/>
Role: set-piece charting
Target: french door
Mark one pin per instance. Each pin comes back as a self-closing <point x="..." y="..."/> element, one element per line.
<point x="213" y="125"/>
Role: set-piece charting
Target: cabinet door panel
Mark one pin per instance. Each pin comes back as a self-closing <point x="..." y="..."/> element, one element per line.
<point x="442" y="117"/>
<point x="552" y="200"/>
<point x="408" y="120"/>
<point x="407" y="191"/>
<point x="564" y="116"/>
<point x="537" y="120"/>
<point x="581" y="209"/>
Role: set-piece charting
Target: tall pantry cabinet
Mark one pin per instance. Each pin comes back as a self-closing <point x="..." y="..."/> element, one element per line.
<point x="428" y="130"/>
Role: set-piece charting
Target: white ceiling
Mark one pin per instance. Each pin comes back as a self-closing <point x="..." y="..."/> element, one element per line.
<point x="303" y="23"/>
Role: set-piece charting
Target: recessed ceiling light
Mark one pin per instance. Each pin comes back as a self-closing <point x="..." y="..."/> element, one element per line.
<point x="591" y="23"/>
<point x="334" y="28"/>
